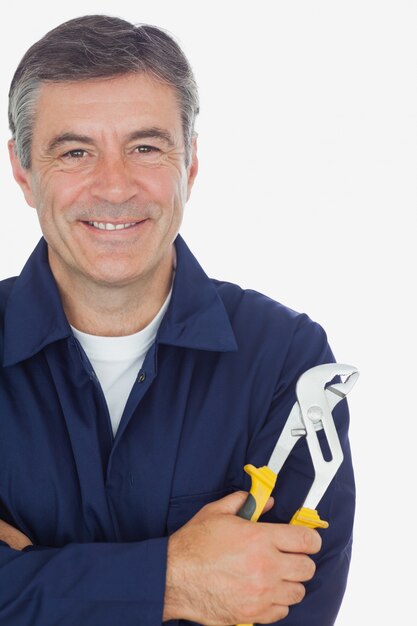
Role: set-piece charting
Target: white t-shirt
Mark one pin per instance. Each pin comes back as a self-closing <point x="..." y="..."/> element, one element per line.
<point x="117" y="361"/>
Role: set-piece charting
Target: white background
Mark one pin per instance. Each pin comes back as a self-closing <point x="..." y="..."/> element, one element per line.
<point x="307" y="186"/>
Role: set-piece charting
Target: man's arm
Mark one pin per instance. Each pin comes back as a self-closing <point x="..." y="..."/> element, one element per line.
<point x="221" y="570"/>
<point x="89" y="584"/>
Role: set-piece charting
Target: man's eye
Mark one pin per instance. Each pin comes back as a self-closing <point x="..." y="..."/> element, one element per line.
<point x="146" y="149"/>
<point x="75" y="154"/>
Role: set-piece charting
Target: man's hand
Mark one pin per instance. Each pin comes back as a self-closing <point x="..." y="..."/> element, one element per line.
<point x="225" y="570"/>
<point x="10" y="535"/>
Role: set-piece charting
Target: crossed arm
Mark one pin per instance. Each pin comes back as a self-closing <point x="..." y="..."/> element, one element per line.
<point x="222" y="569"/>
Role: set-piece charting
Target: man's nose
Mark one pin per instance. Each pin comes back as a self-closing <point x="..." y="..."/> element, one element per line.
<point x="113" y="180"/>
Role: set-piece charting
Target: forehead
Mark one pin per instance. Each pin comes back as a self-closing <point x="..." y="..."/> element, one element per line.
<point x="100" y="104"/>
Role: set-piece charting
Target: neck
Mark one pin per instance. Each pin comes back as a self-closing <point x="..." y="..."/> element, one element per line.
<point x="113" y="310"/>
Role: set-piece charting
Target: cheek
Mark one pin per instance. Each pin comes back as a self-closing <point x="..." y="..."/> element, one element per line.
<point x="165" y="186"/>
<point x="56" y="193"/>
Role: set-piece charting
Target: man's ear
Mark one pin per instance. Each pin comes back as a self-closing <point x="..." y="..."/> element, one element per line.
<point x="193" y="167"/>
<point x="21" y="175"/>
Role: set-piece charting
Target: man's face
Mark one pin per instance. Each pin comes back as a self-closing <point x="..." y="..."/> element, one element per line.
<point x="108" y="176"/>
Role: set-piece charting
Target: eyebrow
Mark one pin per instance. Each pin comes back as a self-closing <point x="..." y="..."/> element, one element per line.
<point x="153" y="133"/>
<point x="56" y="141"/>
<point x="146" y="133"/>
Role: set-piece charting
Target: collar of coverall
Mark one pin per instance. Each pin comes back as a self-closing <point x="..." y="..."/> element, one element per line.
<point x="34" y="317"/>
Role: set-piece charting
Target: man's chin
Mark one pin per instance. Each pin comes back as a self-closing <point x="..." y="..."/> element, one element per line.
<point x="113" y="279"/>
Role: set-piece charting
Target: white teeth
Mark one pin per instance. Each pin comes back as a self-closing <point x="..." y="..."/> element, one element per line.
<point x="110" y="226"/>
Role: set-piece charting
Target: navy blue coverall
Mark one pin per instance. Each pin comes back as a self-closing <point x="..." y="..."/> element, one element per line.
<point x="213" y="394"/>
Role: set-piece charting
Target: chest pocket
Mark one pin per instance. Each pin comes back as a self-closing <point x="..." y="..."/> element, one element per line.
<point x="183" y="508"/>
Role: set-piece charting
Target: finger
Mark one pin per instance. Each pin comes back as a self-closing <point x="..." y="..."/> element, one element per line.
<point x="232" y="504"/>
<point x="288" y="594"/>
<point x="296" y="539"/>
<point x="297" y="567"/>
<point x="13" y="537"/>
<point x="229" y="504"/>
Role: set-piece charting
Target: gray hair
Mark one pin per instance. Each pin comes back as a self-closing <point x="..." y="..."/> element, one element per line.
<point x="98" y="46"/>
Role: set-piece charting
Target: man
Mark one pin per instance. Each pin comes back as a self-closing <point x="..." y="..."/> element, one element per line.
<point x="134" y="388"/>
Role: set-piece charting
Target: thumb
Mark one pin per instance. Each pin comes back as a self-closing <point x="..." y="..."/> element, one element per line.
<point x="232" y="503"/>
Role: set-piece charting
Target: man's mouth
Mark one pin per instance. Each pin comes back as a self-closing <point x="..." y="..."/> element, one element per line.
<point x="111" y="225"/>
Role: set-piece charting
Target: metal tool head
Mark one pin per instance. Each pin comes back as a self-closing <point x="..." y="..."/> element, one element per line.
<point x="316" y="404"/>
<point x="314" y="380"/>
<point x="311" y="386"/>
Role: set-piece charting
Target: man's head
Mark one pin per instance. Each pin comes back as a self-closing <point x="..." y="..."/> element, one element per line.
<point x="102" y="114"/>
<point x="98" y="46"/>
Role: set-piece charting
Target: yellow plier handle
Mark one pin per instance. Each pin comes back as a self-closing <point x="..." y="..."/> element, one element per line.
<point x="263" y="482"/>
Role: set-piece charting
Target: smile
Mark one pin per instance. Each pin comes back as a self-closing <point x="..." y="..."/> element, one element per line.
<point x="110" y="226"/>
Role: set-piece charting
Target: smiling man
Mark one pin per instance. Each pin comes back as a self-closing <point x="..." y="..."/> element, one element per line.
<point x="133" y="388"/>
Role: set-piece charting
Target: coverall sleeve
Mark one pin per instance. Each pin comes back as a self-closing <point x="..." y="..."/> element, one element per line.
<point x="96" y="584"/>
<point x="325" y="592"/>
